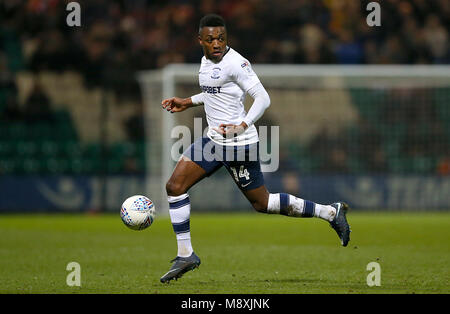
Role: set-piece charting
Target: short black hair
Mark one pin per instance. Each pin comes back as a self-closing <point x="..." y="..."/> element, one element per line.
<point x="211" y="20"/>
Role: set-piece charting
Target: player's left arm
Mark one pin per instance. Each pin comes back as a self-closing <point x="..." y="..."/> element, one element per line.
<point x="249" y="82"/>
<point x="260" y="104"/>
<point x="261" y="101"/>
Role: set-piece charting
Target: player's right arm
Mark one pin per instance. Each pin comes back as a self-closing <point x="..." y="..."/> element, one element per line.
<point x="176" y="104"/>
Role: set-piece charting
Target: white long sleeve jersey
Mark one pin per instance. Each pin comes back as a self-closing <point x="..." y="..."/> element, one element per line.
<point x="224" y="86"/>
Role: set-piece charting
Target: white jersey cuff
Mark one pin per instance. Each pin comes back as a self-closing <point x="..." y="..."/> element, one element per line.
<point x="197" y="100"/>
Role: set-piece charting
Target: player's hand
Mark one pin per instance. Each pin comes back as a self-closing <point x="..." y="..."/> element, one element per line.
<point x="229" y="130"/>
<point x="176" y="104"/>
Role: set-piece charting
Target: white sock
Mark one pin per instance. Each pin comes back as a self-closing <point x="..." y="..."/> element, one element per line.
<point x="180" y="211"/>
<point x="184" y="244"/>
<point x="288" y="205"/>
<point x="326" y="212"/>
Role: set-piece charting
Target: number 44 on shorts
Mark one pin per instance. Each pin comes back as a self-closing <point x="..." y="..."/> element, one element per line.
<point x="243" y="173"/>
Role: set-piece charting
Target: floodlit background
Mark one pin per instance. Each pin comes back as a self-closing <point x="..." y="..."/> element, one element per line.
<point x="75" y="134"/>
<point x="363" y="115"/>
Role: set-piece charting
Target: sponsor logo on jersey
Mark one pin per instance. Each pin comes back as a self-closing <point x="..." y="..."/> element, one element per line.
<point x="211" y="89"/>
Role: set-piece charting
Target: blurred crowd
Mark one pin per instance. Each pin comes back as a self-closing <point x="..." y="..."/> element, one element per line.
<point x="118" y="37"/>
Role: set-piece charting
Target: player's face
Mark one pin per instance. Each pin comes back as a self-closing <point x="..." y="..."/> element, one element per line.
<point x="214" y="42"/>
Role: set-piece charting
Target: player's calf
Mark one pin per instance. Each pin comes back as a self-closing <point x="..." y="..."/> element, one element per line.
<point x="258" y="197"/>
<point x="260" y="206"/>
<point x="175" y="188"/>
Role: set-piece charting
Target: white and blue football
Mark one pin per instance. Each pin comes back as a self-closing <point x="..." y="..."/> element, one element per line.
<point x="137" y="212"/>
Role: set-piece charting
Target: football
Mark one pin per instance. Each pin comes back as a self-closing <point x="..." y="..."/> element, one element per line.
<point x="137" y="212"/>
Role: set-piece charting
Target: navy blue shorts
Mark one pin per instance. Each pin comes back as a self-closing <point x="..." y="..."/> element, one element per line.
<point x="242" y="162"/>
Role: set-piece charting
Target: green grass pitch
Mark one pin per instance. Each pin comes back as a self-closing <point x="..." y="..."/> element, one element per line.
<point x="247" y="253"/>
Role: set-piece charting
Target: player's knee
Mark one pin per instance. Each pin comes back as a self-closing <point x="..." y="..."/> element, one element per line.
<point x="260" y="207"/>
<point x="174" y="188"/>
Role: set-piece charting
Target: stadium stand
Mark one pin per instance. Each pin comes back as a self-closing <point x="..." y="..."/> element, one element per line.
<point x="58" y="84"/>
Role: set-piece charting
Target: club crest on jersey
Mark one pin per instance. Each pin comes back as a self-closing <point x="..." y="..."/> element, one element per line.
<point x="216" y="73"/>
